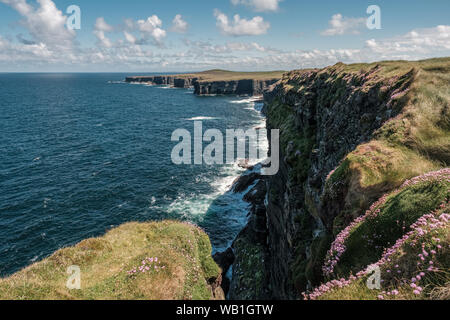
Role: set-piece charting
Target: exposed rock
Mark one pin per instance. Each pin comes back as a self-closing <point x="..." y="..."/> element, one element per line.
<point x="256" y="194"/>
<point x="250" y="277"/>
<point x="243" y="182"/>
<point x="239" y="87"/>
<point x="174" y="81"/>
<point x="224" y="260"/>
<point x="217" y="291"/>
<point x="244" y="165"/>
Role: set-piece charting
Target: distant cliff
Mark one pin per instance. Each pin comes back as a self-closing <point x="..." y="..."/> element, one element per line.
<point x="175" y="81"/>
<point x="249" y="87"/>
<point x="215" y="82"/>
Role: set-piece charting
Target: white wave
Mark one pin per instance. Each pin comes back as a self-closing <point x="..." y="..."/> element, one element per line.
<point x="201" y="118"/>
<point x="166" y="87"/>
<point x="250" y="100"/>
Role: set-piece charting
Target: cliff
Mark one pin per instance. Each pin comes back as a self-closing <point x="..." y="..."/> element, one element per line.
<point x="215" y="82"/>
<point x="350" y="134"/>
<point x="176" y="81"/>
<point x="151" y="261"/>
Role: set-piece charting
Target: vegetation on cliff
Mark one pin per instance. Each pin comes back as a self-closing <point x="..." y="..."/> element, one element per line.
<point x="160" y="260"/>
<point x="349" y="134"/>
<point x="407" y="235"/>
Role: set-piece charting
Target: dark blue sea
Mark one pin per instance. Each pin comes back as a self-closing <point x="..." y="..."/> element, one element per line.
<point x="83" y="153"/>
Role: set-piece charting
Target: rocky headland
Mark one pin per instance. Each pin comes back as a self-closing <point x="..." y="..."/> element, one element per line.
<point x="215" y="82"/>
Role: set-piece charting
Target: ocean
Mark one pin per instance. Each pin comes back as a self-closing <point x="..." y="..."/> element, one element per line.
<point x="83" y="153"/>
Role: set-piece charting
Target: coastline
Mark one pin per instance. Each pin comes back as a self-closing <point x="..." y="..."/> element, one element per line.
<point x="215" y="82"/>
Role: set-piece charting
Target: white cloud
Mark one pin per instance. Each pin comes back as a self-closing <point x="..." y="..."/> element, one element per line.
<point x="207" y="47"/>
<point x="149" y="29"/>
<point x="179" y="25"/>
<point x="241" y="27"/>
<point x="39" y="51"/>
<point x="99" y="30"/>
<point x="152" y="28"/>
<point x="45" y="24"/>
<point x="150" y="24"/>
<point x="418" y="42"/>
<point x="340" y="25"/>
<point x="259" y="5"/>
<point x="129" y="37"/>
<point x="101" y="25"/>
<point x="129" y="24"/>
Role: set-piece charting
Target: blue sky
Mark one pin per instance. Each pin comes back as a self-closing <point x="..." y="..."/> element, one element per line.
<point x="145" y="36"/>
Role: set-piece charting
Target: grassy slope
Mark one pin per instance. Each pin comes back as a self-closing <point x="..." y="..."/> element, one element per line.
<point x="414" y="142"/>
<point x="424" y="254"/>
<point x="184" y="266"/>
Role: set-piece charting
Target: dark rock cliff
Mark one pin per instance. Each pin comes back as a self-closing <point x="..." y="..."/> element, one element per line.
<point x="175" y="81"/>
<point x="249" y="87"/>
<point x="240" y="87"/>
<point x="323" y="115"/>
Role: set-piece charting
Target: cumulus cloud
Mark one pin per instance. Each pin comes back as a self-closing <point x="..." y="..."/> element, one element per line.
<point x="179" y="25"/>
<point x="99" y="30"/>
<point x="340" y="25"/>
<point x="259" y="5"/>
<point x="152" y="28"/>
<point x="240" y="26"/>
<point x="229" y="47"/>
<point x="131" y="53"/>
<point x="46" y="24"/>
<point x="129" y="37"/>
<point x="419" y="42"/>
<point x="137" y="32"/>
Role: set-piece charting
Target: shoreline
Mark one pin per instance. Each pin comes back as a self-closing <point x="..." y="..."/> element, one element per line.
<point x="215" y="82"/>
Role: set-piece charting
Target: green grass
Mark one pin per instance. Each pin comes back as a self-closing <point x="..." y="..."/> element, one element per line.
<point x="184" y="251"/>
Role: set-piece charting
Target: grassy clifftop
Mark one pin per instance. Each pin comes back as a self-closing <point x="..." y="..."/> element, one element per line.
<point x="164" y="260"/>
<point x="225" y="75"/>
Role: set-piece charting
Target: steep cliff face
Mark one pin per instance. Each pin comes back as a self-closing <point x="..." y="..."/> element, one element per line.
<point x="348" y="134"/>
<point x="240" y="87"/>
<point x="175" y="81"/>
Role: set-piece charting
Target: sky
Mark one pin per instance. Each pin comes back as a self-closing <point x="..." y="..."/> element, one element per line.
<point x="195" y="35"/>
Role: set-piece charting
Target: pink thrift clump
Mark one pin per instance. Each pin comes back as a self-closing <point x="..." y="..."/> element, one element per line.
<point x="338" y="246"/>
<point x="146" y="265"/>
<point x="423" y="226"/>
